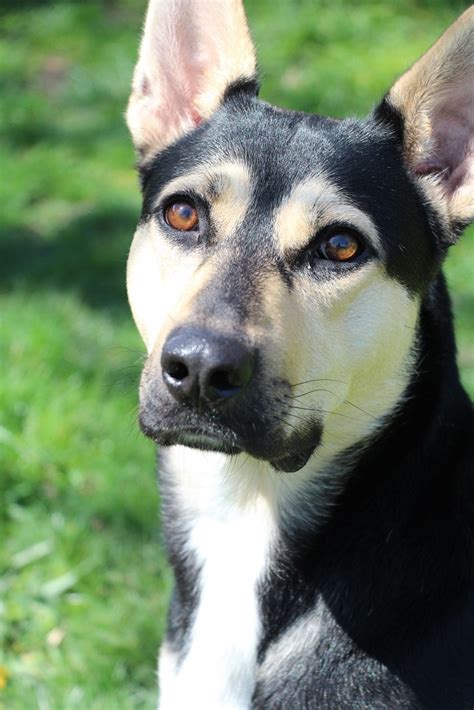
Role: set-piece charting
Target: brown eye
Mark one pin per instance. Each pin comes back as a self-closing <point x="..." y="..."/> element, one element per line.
<point x="182" y="216"/>
<point x="342" y="246"/>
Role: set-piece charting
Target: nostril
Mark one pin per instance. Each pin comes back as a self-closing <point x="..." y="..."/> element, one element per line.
<point x="224" y="380"/>
<point x="199" y="366"/>
<point x="177" y="370"/>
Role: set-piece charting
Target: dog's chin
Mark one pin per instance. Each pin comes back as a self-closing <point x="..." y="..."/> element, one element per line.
<point x="285" y="456"/>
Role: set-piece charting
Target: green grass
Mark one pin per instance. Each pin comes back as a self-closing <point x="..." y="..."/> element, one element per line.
<point x="85" y="585"/>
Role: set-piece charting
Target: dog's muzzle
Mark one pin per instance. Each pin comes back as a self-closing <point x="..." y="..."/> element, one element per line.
<point x="210" y="391"/>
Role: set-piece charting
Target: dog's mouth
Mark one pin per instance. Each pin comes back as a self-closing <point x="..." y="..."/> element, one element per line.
<point x="203" y="438"/>
<point x="285" y="454"/>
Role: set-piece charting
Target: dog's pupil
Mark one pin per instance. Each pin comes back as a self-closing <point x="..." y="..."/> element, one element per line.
<point x="341" y="247"/>
<point x="182" y="216"/>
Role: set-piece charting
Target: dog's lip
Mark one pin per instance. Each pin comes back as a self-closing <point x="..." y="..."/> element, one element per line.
<point x="193" y="437"/>
<point x="207" y="442"/>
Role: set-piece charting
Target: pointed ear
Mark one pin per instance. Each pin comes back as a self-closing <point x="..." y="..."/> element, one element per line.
<point x="435" y="101"/>
<point x="191" y="51"/>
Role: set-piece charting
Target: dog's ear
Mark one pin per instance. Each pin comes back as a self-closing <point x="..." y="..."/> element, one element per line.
<point x="191" y="51"/>
<point x="434" y="107"/>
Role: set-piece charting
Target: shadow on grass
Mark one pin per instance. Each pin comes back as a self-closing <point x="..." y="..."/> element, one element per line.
<point x="88" y="256"/>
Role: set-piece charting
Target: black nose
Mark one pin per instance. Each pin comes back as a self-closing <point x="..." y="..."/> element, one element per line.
<point x="200" y="365"/>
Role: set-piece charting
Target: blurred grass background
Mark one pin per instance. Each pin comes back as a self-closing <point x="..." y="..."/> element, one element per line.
<point x="84" y="583"/>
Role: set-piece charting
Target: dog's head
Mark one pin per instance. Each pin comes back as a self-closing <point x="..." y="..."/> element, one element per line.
<point x="280" y="259"/>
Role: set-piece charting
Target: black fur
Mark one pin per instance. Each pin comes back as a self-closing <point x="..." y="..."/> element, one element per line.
<point x="363" y="158"/>
<point x="390" y="576"/>
<point x="392" y="571"/>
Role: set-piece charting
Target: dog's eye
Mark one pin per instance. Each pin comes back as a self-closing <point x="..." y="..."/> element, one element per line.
<point x="340" y="246"/>
<point x="182" y="216"/>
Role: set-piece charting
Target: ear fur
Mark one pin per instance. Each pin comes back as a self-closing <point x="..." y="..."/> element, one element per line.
<point x="191" y="51"/>
<point x="434" y="101"/>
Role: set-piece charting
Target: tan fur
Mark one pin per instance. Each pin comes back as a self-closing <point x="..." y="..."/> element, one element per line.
<point x="229" y="186"/>
<point x="232" y="185"/>
<point x="157" y="279"/>
<point x="311" y="206"/>
<point x="438" y="90"/>
<point x="163" y="283"/>
<point x="353" y="335"/>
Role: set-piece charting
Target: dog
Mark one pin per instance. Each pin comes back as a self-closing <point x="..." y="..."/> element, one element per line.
<point x="316" y="445"/>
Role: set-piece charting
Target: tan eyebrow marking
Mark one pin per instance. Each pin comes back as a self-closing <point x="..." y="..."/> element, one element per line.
<point x="312" y="205"/>
<point x="227" y="187"/>
<point x="233" y="192"/>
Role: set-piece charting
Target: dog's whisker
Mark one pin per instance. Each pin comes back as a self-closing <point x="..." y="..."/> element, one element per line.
<point x="128" y="368"/>
<point x="297" y="416"/>
<point x="346" y="401"/>
<point x="281" y="419"/>
<point x="321" y="379"/>
<point x="364" y="411"/>
<point x="327" y="411"/>
<point x="304" y="394"/>
<point x="140" y="353"/>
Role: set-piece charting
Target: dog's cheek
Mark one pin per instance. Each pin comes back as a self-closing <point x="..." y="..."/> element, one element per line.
<point x="316" y="362"/>
<point x="373" y="332"/>
<point x="385" y="347"/>
<point x="157" y="276"/>
<point x="352" y="343"/>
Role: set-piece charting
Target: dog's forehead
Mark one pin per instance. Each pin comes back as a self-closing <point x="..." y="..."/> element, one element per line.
<point x="270" y="160"/>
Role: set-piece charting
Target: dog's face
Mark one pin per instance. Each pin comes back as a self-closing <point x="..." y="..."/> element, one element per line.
<point x="278" y="267"/>
<point x="264" y="230"/>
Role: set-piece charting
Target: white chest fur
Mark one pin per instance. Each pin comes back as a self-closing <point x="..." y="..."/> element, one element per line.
<point x="229" y="509"/>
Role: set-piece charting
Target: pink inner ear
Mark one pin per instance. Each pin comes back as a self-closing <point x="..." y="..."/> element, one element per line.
<point x="190" y="52"/>
<point x="145" y="87"/>
<point x="452" y="142"/>
<point x="429" y="167"/>
<point x="196" y="117"/>
<point x="187" y="59"/>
